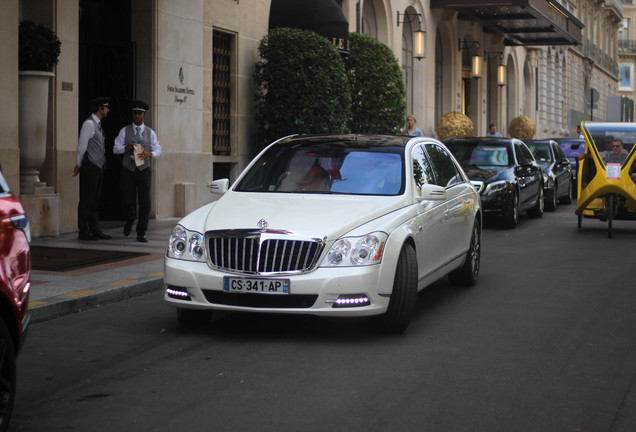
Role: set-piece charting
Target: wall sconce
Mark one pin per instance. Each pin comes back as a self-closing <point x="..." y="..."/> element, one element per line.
<point x="476" y="58"/>
<point x="419" y="36"/>
<point x="501" y="68"/>
<point x="419" y="44"/>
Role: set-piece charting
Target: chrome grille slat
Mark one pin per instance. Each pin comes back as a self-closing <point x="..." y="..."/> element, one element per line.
<point x="254" y="252"/>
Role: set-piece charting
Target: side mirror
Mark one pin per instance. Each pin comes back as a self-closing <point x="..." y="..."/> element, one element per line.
<point x="432" y="193"/>
<point x="525" y="161"/>
<point x="219" y="186"/>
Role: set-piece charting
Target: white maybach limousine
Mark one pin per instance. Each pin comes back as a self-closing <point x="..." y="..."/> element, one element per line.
<point x="331" y="225"/>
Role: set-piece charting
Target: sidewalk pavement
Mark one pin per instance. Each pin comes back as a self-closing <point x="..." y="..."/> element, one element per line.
<point x="54" y="294"/>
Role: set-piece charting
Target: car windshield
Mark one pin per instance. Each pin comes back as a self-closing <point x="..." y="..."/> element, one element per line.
<point x="541" y="152"/>
<point x="327" y="168"/>
<point x="481" y="154"/>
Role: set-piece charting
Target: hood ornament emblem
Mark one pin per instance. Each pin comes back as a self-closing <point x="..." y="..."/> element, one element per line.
<point x="262" y="224"/>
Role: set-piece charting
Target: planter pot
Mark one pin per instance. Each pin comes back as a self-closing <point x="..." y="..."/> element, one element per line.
<point x="33" y="122"/>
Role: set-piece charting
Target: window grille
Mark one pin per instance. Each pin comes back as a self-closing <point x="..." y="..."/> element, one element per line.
<point x="221" y="91"/>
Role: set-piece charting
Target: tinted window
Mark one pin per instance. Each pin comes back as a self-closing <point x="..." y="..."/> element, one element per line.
<point x="422" y="170"/>
<point x="523" y="152"/>
<point x="560" y="156"/>
<point x="446" y="173"/>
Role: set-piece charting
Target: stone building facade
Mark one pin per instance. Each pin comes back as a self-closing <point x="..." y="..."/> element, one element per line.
<point x="192" y="62"/>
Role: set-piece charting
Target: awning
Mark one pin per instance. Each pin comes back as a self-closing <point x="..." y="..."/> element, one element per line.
<point x="522" y="22"/>
<point x="321" y="16"/>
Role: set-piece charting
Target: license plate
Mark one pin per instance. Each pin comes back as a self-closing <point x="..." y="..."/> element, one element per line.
<point x="257" y="286"/>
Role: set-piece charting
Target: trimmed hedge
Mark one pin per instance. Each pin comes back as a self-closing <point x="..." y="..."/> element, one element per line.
<point x="378" y="98"/>
<point x="38" y="47"/>
<point x="301" y="85"/>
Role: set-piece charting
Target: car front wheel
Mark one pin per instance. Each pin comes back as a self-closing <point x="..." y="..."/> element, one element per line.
<point x="537" y="210"/>
<point x="511" y="219"/>
<point x="404" y="296"/>
<point x="551" y="199"/>
<point x="567" y="198"/>
<point x="7" y="376"/>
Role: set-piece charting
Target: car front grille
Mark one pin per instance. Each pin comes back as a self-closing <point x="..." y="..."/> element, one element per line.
<point x="257" y="252"/>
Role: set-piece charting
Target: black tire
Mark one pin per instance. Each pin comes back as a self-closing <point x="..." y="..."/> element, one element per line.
<point x="567" y="199"/>
<point x="609" y="204"/>
<point x="467" y="274"/>
<point x="7" y="376"/>
<point x="193" y="316"/>
<point x="398" y="315"/>
<point x="511" y="219"/>
<point x="537" y="210"/>
<point x="551" y="199"/>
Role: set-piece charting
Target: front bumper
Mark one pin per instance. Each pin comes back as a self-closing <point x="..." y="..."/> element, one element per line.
<point x="312" y="293"/>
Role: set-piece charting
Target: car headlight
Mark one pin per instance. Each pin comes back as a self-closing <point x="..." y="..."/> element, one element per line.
<point x="186" y="245"/>
<point x="496" y="187"/>
<point x="546" y="178"/>
<point x="357" y="251"/>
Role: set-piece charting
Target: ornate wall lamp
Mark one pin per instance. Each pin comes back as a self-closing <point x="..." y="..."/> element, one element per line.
<point x="501" y="68"/>
<point x="419" y="36"/>
<point x="476" y="63"/>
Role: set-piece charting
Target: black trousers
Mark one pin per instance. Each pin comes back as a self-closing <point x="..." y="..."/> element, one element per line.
<point x="136" y="187"/>
<point x="91" y="179"/>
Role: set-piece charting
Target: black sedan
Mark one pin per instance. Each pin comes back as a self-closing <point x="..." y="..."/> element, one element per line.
<point x="557" y="173"/>
<point x="505" y="173"/>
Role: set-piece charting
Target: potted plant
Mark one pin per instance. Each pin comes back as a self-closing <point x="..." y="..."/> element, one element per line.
<point x="38" y="52"/>
<point x="39" y="47"/>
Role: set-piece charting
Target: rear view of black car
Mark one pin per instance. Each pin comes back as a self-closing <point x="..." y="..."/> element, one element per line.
<point x="505" y="173"/>
<point x="557" y="173"/>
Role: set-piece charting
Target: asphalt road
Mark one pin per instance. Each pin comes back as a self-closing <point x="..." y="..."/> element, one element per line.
<point x="544" y="342"/>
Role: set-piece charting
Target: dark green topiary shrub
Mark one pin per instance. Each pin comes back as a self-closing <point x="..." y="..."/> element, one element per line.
<point x="301" y="85"/>
<point x="38" y="47"/>
<point x="378" y="100"/>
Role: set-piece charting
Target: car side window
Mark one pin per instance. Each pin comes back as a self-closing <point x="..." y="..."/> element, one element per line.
<point x="523" y="152"/>
<point x="445" y="170"/>
<point x="422" y="170"/>
<point x="560" y="156"/>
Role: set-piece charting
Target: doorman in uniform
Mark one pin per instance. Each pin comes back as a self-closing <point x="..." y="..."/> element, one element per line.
<point x="89" y="164"/>
<point x="138" y="144"/>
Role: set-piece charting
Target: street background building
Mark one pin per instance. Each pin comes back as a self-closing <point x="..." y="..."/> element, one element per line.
<point x="192" y="61"/>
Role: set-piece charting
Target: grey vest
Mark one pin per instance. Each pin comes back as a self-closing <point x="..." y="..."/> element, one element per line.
<point x="95" y="148"/>
<point x="144" y="140"/>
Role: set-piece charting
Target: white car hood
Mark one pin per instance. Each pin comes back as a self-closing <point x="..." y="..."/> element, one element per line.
<point x="309" y="214"/>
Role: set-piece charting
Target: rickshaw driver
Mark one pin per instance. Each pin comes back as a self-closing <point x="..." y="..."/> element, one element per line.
<point x="616" y="154"/>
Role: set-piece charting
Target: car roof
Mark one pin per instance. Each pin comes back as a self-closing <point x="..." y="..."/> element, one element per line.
<point x="546" y="142"/>
<point x="349" y="140"/>
<point x="480" y="140"/>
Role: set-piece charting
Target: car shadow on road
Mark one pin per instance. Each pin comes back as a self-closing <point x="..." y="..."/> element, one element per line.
<point x="256" y="326"/>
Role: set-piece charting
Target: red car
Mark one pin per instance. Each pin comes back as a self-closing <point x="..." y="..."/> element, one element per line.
<point x="15" y="282"/>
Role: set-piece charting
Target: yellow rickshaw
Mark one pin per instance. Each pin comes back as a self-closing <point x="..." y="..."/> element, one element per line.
<point x="605" y="185"/>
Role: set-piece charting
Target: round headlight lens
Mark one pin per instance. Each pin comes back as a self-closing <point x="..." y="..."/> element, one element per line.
<point x="197" y="246"/>
<point x="338" y="251"/>
<point x="178" y="241"/>
<point x="365" y="249"/>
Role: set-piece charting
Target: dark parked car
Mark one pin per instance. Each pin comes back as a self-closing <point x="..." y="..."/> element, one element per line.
<point x="15" y="281"/>
<point x="505" y="173"/>
<point x="557" y="173"/>
<point x="572" y="147"/>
